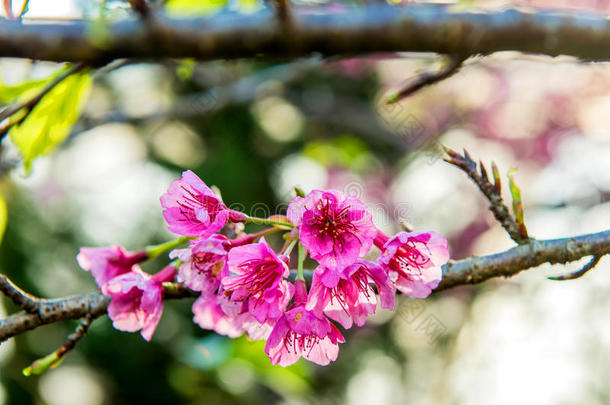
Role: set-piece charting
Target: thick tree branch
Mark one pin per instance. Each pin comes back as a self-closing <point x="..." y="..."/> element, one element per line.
<point x="475" y="270"/>
<point x="362" y="30"/>
<point x="468" y="271"/>
<point x="51" y="311"/>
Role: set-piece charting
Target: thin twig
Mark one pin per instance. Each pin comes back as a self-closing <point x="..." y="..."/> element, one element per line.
<point x="571" y="276"/>
<point x="428" y="79"/>
<point x="80" y="331"/>
<point x="282" y="8"/>
<point x="491" y="190"/>
<point x="24" y="8"/>
<point x="23" y="300"/>
<point x="52" y="360"/>
<point x="31" y="103"/>
<point x="141" y="7"/>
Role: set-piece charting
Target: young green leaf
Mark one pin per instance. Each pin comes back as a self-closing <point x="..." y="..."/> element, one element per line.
<point x="50" y="121"/>
<point x="3" y="217"/>
<point x="517" y="203"/>
<point x="9" y="94"/>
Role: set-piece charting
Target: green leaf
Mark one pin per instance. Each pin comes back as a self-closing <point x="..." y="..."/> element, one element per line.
<point x="186" y="68"/>
<point x="515" y="192"/>
<point x="50" y="121"/>
<point x="10" y="94"/>
<point x="516" y="195"/>
<point x="183" y="8"/>
<point x="3" y="217"/>
<point x="43" y="364"/>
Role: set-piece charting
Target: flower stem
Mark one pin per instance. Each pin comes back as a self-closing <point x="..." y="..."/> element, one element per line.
<point x="154" y="251"/>
<point x="268" y="221"/>
<point x="288" y="247"/>
<point x="300" y="261"/>
<point x="249" y="238"/>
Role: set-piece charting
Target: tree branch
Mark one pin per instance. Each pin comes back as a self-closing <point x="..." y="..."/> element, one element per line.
<point x="362" y="30"/>
<point x="473" y="270"/>
<point x="51" y="311"/>
<point x="19" y="297"/>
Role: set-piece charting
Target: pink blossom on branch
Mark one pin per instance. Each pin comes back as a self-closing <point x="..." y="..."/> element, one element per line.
<point x="108" y="262"/>
<point x="204" y="263"/>
<point x="335" y="229"/>
<point x="347" y="296"/>
<point x="301" y="333"/>
<point x="258" y="277"/>
<point x="413" y="260"/>
<point x="137" y="300"/>
<point x="208" y="314"/>
<point x="191" y="208"/>
<point x="227" y="318"/>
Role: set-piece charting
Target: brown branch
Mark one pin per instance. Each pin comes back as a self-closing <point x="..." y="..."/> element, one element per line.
<point x="22" y="299"/>
<point x="41" y="365"/>
<point x="31" y="103"/>
<point x="475" y="270"/>
<point x="76" y="307"/>
<point x="428" y="79"/>
<point x="492" y="191"/>
<point x="455" y="273"/>
<point x="362" y="30"/>
<point x="282" y="8"/>
<point x="141" y="7"/>
<point x="577" y="274"/>
<point x="51" y="311"/>
<point x="79" y="333"/>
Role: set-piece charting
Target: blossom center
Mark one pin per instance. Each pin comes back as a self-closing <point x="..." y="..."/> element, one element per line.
<point x="334" y="222"/>
<point x="259" y="275"/>
<point x="408" y="259"/>
<point x="194" y="200"/>
<point x="340" y="294"/>
<point x="204" y="264"/>
<point x="297" y="343"/>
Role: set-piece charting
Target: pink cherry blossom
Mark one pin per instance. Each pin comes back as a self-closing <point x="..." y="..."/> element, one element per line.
<point x="137" y="300"/>
<point x="228" y="318"/>
<point x="347" y="297"/>
<point x="209" y="314"/>
<point x="300" y="333"/>
<point x="414" y="260"/>
<point x="258" y="278"/>
<point x="190" y="207"/>
<point x="334" y="228"/>
<point x="204" y="263"/>
<point x="107" y="262"/>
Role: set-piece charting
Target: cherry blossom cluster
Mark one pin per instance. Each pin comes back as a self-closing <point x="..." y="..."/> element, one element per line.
<point x="246" y="287"/>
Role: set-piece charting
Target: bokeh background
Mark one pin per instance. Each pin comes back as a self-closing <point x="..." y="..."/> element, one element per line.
<point x="257" y="128"/>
